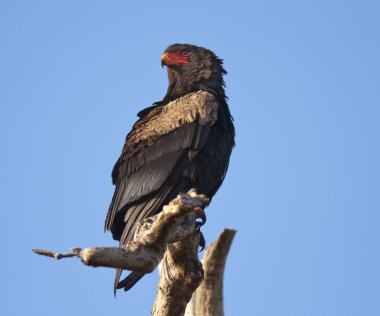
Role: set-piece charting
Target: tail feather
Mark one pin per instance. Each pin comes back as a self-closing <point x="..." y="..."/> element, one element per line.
<point x="116" y="282"/>
<point x="129" y="281"/>
<point x="147" y="207"/>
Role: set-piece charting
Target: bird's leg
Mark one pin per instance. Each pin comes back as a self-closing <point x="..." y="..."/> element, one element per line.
<point x="201" y="214"/>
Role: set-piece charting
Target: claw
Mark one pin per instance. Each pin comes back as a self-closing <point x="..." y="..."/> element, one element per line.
<point x="202" y="241"/>
<point x="201" y="214"/>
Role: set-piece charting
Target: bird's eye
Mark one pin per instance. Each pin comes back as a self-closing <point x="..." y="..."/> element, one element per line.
<point x="185" y="52"/>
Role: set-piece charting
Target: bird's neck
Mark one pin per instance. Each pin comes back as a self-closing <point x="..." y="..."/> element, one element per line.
<point x="181" y="84"/>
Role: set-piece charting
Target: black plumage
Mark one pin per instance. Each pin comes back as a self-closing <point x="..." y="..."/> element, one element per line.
<point x="182" y="142"/>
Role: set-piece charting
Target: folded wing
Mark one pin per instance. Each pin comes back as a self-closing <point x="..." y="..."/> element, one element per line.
<point x="154" y="158"/>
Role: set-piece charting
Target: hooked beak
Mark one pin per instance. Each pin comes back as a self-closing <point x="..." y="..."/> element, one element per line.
<point x="166" y="60"/>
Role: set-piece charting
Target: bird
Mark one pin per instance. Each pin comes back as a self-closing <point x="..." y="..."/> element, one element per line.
<point x="184" y="141"/>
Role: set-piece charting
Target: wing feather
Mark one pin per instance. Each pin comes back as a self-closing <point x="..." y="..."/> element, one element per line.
<point x="154" y="156"/>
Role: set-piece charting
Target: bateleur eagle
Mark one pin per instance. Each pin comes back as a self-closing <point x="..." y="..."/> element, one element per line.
<point x="182" y="142"/>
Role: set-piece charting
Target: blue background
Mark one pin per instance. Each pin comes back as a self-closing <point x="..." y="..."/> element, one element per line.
<point x="303" y="189"/>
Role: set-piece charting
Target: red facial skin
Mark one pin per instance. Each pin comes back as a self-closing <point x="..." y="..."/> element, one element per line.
<point x="175" y="58"/>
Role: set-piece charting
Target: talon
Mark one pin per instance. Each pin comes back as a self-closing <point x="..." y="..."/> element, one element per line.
<point x="202" y="241"/>
<point x="201" y="214"/>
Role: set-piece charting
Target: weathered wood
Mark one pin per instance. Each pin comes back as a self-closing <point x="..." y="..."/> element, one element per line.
<point x="207" y="300"/>
<point x="181" y="273"/>
<point x="144" y="253"/>
<point x="171" y="237"/>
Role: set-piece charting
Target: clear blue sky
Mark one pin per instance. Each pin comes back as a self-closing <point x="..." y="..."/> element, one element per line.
<point x="303" y="189"/>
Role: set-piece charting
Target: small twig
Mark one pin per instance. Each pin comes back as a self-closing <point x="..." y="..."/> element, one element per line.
<point x="56" y="255"/>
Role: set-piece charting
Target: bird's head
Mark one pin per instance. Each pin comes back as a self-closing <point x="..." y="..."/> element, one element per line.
<point x="192" y="68"/>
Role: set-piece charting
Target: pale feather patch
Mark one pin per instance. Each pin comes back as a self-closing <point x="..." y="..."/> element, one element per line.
<point x="201" y="105"/>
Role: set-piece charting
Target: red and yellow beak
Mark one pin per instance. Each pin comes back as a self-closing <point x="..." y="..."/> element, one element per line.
<point x="166" y="60"/>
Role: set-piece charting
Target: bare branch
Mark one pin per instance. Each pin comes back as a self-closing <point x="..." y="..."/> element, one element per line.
<point x="181" y="274"/>
<point x="56" y="255"/>
<point x="171" y="237"/>
<point x="143" y="254"/>
<point x="207" y="300"/>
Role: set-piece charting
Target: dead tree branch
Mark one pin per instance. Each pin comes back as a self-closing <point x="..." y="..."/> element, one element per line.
<point x="144" y="253"/>
<point x="181" y="273"/>
<point x="171" y="237"/>
<point x="207" y="300"/>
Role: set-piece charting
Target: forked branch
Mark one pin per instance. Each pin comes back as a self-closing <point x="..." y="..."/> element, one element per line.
<point x="171" y="237"/>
